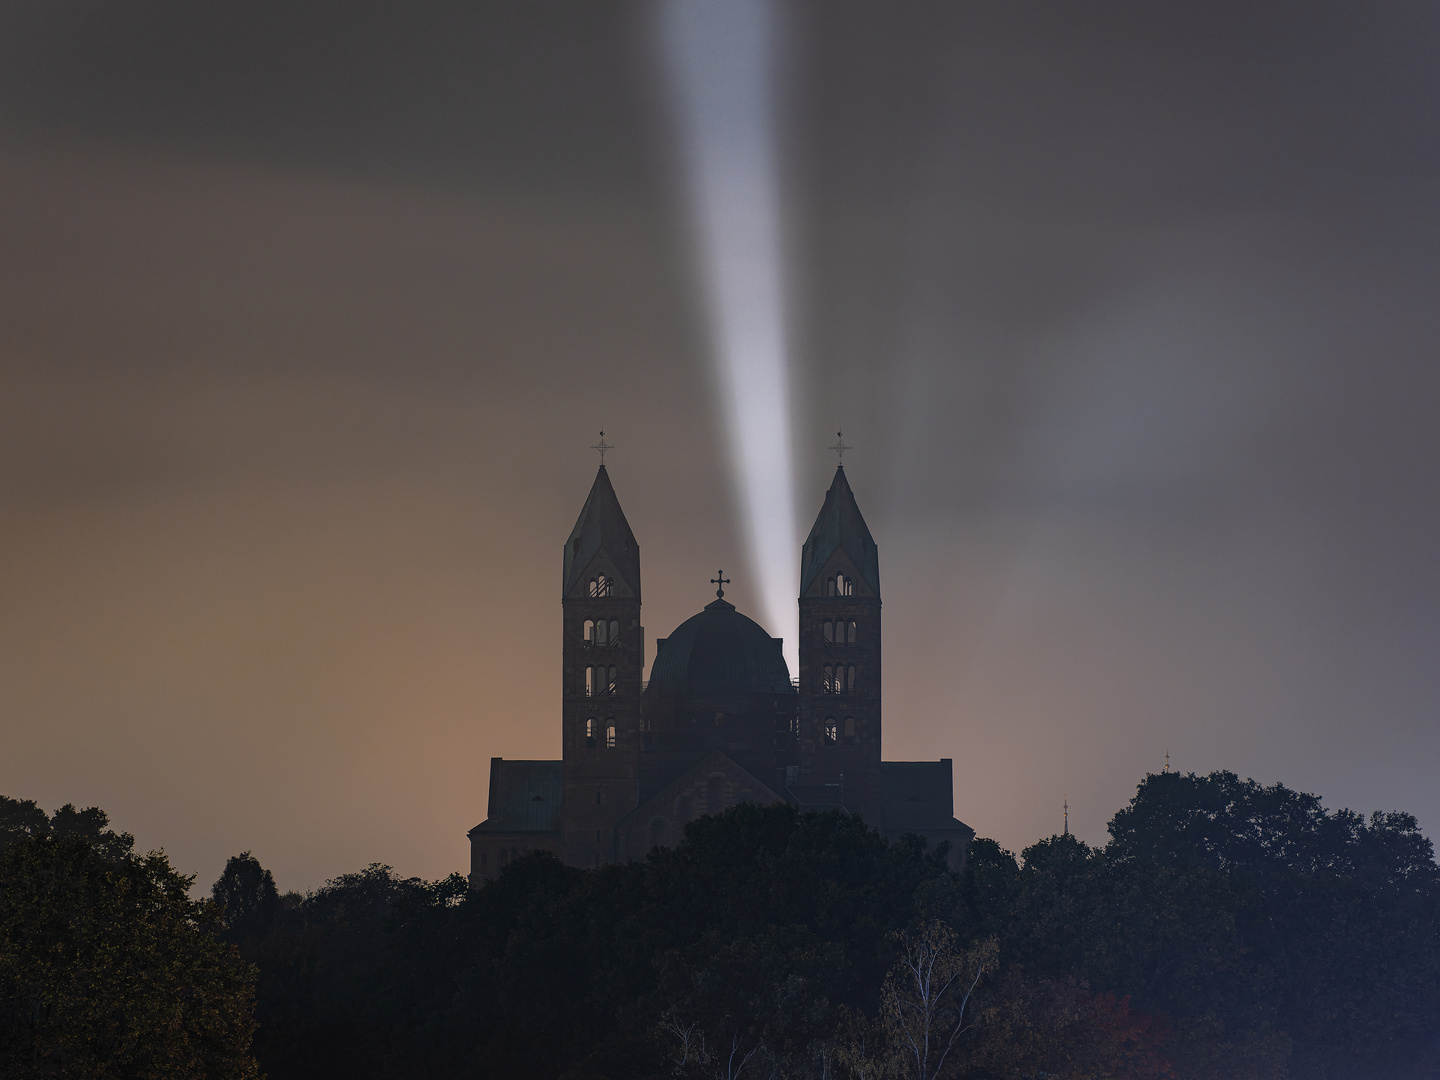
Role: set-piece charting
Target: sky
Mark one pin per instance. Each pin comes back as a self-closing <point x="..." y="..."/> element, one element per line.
<point x="310" y="313"/>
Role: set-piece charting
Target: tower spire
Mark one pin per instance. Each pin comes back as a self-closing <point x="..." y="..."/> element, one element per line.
<point x="601" y="532"/>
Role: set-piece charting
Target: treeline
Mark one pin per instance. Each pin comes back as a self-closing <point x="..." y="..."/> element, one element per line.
<point x="1226" y="930"/>
<point x="108" y="969"/>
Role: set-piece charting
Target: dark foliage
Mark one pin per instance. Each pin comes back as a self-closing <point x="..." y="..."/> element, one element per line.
<point x="24" y="820"/>
<point x="760" y="927"/>
<point x="109" y="969"/>
<point x="247" y="897"/>
<point x="1227" y="930"/>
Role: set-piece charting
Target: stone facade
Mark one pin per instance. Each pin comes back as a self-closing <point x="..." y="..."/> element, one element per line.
<point x="840" y="673"/>
<point x="602" y="663"/>
<point x="720" y="722"/>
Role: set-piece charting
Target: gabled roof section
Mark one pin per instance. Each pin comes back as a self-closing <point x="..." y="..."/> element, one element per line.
<point x="661" y="803"/>
<point x="602" y="527"/>
<point x="840" y="527"/>
<point x="524" y="796"/>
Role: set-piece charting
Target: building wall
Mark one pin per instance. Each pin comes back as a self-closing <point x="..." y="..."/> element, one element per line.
<point x="707" y="787"/>
<point x="600" y="781"/>
<point x="852" y="762"/>
<point x="491" y="852"/>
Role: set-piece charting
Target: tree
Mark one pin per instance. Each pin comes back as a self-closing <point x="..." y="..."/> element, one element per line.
<point x="22" y="820"/>
<point x="247" y="896"/>
<point x="109" y="969"/>
<point x="928" y="993"/>
<point x="1337" y="918"/>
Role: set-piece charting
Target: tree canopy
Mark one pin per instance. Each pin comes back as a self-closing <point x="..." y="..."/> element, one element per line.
<point x="108" y="968"/>
<point x="1226" y="930"/>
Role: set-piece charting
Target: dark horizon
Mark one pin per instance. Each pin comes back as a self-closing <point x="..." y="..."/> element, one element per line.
<point x="312" y="313"/>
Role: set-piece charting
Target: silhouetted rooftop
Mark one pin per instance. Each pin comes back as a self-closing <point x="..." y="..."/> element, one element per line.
<point x="840" y="525"/>
<point x="717" y="652"/>
<point x="524" y="796"/>
<point x="602" y="526"/>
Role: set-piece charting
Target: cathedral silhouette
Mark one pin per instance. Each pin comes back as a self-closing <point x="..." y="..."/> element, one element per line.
<point x="720" y="720"/>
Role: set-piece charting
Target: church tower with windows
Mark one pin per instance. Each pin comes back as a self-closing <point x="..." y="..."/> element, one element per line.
<point x="602" y="660"/>
<point x="840" y="659"/>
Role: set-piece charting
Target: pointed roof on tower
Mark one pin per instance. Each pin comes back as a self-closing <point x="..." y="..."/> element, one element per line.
<point x="602" y="527"/>
<point x="840" y="527"/>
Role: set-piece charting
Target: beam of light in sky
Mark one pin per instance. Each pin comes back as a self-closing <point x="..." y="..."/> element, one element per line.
<point x="720" y="57"/>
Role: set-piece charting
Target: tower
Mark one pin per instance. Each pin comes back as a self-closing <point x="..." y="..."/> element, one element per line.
<point x="603" y="655"/>
<point x="840" y="659"/>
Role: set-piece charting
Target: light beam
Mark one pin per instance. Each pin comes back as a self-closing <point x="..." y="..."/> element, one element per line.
<point x="720" y="57"/>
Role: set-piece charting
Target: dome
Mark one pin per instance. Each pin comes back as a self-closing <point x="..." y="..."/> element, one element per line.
<point x="716" y="653"/>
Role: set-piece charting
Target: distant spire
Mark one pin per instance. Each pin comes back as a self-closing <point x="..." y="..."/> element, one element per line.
<point x="602" y="446"/>
<point x="601" y="527"/>
<point x="720" y="581"/>
<point x="840" y="448"/>
<point x="1067" y="815"/>
<point x="1167" y="762"/>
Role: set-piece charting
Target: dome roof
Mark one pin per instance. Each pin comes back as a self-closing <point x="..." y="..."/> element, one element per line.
<point x="719" y="652"/>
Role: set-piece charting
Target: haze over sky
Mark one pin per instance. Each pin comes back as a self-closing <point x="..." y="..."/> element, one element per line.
<point x="310" y="311"/>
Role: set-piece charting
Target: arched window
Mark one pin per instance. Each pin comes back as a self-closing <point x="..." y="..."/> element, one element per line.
<point x="610" y="734"/>
<point x="600" y="636"/>
<point x="830" y="586"/>
<point x="850" y="634"/>
<point x="829" y="678"/>
<point x="849" y="679"/>
<point x="829" y="731"/>
<point x="590" y="680"/>
<point x="589" y="631"/>
<point x="614" y="632"/>
<point x="849" y="729"/>
<point x="829" y="632"/>
<point x="590" y="732"/>
<point x="611" y="684"/>
<point x="600" y="585"/>
<point x="714" y="794"/>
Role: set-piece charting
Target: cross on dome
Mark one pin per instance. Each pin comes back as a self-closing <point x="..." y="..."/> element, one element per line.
<point x="720" y="581"/>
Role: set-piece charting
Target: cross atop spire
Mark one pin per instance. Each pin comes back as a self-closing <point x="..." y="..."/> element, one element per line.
<point x="602" y="446"/>
<point x="720" y="581"/>
<point x="839" y="448"/>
